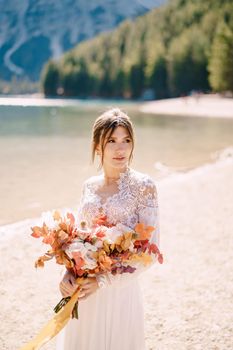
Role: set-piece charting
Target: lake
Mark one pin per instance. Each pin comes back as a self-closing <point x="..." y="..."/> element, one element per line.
<point x="45" y="152"/>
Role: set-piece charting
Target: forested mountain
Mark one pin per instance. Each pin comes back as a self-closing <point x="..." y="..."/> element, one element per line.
<point x="34" y="31"/>
<point x="182" y="46"/>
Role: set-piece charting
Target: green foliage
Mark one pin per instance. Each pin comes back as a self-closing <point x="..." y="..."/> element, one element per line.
<point x="159" y="78"/>
<point x="167" y="50"/>
<point x="50" y="78"/>
<point x="221" y="60"/>
<point x="187" y="63"/>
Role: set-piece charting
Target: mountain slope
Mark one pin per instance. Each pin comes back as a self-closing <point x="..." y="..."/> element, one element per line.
<point x="166" y="52"/>
<point x="34" y="31"/>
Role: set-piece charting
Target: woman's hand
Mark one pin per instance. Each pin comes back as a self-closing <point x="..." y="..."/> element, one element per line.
<point x="89" y="286"/>
<point x="68" y="285"/>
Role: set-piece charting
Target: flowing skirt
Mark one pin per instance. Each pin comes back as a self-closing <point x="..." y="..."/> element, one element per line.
<point x="110" y="319"/>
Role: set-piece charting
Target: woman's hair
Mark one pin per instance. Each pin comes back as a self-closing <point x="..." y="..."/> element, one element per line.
<point x="104" y="127"/>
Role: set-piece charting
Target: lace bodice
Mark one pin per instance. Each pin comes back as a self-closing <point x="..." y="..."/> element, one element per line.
<point x="135" y="201"/>
<point x="136" y="197"/>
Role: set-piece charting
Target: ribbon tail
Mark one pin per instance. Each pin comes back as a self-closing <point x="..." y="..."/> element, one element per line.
<point x="54" y="326"/>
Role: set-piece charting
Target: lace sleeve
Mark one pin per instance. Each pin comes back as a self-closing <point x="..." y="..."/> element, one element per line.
<point x="148" y="213"/>
<point x="80" y="211"/>
<point x="148" y="209"/>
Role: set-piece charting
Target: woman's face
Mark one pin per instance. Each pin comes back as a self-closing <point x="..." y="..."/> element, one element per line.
<point x="118" y="149"/>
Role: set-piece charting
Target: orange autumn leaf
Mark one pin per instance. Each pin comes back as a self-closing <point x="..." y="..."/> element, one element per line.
<point x="143" y="231"/>
<point x="62" y="235"/>
<point x="45" y="229"/>
<point x="49" y="239"/>
<point x="123" y="242"/>
<point x="63" y="259"/>
<point x="71" y="217"/>
<point x="37" y="232"/>
<point x="40" y="261"/>
<point x="57" y="215"/>
<point x="104" y="261"/>
<point x="79" y="261"/>
<point x="142" y="258"/>
<point x="125" y="255"/>
<point x="106" y="247"/>
<point x="63" y="226"/>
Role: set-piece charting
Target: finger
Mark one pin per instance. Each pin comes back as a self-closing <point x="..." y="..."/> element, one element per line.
<point x="84" y="297"/>
<point x="81" y="295"/>
<point x="65" y="284"/>
<point x="64" y="294"/>
<point x="72" y="280"/>
<point x="86" y="281"/>
<point x="84" y="284"/>
<point x="86" y="287"/>
<point x="67" y="290"/>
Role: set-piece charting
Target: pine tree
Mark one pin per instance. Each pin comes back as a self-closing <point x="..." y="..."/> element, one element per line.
<point x="50" y="79"/>
<point x="221" y="60"/>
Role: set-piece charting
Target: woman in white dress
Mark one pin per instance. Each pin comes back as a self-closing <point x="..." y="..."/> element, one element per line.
<point x="111" y="313"/>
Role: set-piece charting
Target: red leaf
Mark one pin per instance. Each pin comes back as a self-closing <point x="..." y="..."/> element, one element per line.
<point x="153" y="249"/>
<point x="72" y="218"/>
<point x="36" y="232"/>
<point x="100" y="234"/>
<point x="160" y="258"/>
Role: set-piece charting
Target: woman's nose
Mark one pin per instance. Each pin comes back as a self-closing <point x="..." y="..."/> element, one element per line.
<point x="120" y="146"/>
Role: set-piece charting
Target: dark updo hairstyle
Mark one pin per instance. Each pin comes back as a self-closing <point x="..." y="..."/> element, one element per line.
<point x="104" y="127"/>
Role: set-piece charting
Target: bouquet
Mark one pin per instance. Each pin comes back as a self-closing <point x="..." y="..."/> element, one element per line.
<point x="89" y="251"/>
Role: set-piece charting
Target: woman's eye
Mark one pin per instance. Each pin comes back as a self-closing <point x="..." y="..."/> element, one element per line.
<point x="111" y="140"/>
<point x="128" y="140"/>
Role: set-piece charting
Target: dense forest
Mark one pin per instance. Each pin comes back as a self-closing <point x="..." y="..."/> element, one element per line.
<point x="183" y="46"/>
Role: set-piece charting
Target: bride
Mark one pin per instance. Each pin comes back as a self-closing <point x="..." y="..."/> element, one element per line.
<point x="111" y="313"/>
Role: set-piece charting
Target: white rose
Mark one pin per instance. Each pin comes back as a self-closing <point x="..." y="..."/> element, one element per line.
<point x="90" y="247"/>
<point x="90" y="262"/>
<point x="98" y="244"/>
<point x="76" y="246"/>
<point x="114" y="232"/>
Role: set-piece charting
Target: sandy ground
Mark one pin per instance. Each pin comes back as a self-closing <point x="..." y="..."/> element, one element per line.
<point x="188" y="300"/>
<point x="192" y="106"/>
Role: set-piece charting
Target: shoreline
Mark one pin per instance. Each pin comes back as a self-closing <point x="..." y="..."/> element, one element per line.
<point x="199" y="105"/>
<point x="37" y="100"/>
<point x="196" y="105"/>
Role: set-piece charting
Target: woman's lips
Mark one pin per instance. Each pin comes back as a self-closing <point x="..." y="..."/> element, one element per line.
<point x="119" y="158"/>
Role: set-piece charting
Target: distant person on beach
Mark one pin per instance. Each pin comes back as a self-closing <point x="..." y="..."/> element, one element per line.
<point x="111" y="312"/>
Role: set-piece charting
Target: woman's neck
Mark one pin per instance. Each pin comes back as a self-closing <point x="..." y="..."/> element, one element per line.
<point x="111" y="175"/>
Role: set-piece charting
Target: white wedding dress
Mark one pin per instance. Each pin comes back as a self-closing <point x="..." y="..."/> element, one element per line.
<point x="112" y="318"/>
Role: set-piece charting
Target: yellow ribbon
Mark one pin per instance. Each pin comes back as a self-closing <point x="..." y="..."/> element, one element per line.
<point x="54" y="326"/>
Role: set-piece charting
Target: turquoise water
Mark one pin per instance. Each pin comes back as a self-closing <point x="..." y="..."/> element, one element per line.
<point x="45" y="151"/>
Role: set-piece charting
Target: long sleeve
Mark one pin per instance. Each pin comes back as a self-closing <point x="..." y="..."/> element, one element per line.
<point x="148" y="214"/>
<point x="79" y="208"/>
